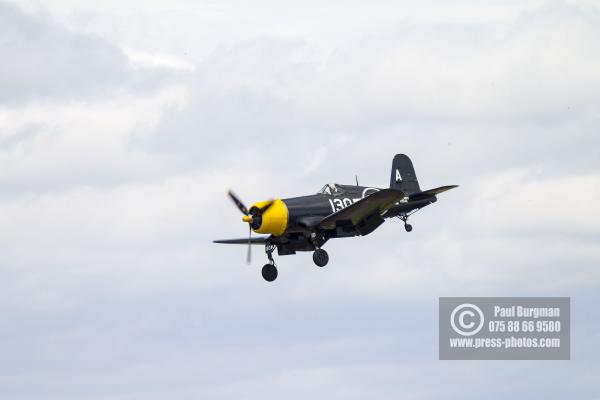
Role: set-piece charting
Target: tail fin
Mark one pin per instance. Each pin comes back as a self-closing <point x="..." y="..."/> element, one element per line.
<point x="403" y="175"/>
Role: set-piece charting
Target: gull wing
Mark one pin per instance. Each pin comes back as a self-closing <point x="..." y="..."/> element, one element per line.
<point x="372" y="206"/>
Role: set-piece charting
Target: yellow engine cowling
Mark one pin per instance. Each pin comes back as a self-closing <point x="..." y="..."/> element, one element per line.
<point x="274" y="219"/>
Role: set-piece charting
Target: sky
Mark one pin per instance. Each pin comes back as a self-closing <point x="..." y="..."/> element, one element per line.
<point x="123" y="124"/>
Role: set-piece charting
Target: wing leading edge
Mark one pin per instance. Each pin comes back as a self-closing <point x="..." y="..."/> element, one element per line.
<point x="254" y="240"/>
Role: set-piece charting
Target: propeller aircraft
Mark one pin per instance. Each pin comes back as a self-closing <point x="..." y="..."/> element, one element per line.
<point x="306" y="223"/>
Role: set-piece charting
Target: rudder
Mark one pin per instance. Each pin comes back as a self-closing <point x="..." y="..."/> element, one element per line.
<point x="403" y="175"/>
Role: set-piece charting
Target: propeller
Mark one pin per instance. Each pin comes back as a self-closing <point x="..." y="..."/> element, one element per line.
<point x="249" y="252"/>
<point x="253" y="217"/>
<point x="238" y="202"/>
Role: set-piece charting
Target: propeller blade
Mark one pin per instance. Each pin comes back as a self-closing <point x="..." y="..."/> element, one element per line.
<point x="266" y="206"/>
<point x="249" y="253"/>
<point x="238" y="202"/>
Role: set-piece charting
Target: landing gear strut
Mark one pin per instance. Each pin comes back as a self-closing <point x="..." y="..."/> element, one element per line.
<point x="320" y="257"/>
<point x="407" y="226"/>
<point x="269" y="271"/>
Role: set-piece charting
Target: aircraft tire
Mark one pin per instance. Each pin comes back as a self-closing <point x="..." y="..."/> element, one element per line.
<point x="269" y="272"/>
<point x="320" y="257"/>
<point x="408" y="227"/>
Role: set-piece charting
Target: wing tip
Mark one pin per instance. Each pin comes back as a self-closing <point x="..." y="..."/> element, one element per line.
<point x="254" y="240"/>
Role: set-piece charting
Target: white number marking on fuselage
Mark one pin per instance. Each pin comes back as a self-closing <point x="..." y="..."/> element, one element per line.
<point x="340" y="204"/>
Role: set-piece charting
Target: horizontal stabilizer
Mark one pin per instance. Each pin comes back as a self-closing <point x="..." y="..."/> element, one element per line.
<point x="431" y="192"/>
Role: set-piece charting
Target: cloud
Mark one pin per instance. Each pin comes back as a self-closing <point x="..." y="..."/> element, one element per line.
<point x="429" y="90"/>
<point x="44" y="60"/>
<point x="558" y="206"/>
<point x="115" y="160"/>
<point x="49" y="146"/>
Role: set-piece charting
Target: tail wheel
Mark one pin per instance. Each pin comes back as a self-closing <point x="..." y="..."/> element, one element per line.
<point x="320" y="257"/>
<point x="269" y="272"/>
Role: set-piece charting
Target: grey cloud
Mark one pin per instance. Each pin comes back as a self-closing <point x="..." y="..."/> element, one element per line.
<point x="43" y="60"/>
<point x="436" y="90"/>
<point x="111" y="289"/>
<point x="188" y="345"/>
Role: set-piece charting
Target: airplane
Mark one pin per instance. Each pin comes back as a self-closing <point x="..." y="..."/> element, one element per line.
<point x="306" y="223"/>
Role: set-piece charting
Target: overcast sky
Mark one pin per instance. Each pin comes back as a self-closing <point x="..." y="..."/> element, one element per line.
<point x="122" y="125"/>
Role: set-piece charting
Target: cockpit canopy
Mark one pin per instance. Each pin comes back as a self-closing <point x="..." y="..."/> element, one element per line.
<point x="330" y="188"/>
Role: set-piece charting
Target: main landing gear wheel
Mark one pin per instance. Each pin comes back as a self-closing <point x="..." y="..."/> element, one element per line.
<point x="269" y="272"/>
<point x="320" y="257"/>
<point x="408" y="227"/>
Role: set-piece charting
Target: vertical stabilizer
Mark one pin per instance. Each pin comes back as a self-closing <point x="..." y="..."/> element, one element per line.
<point x="403" y="175"/>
